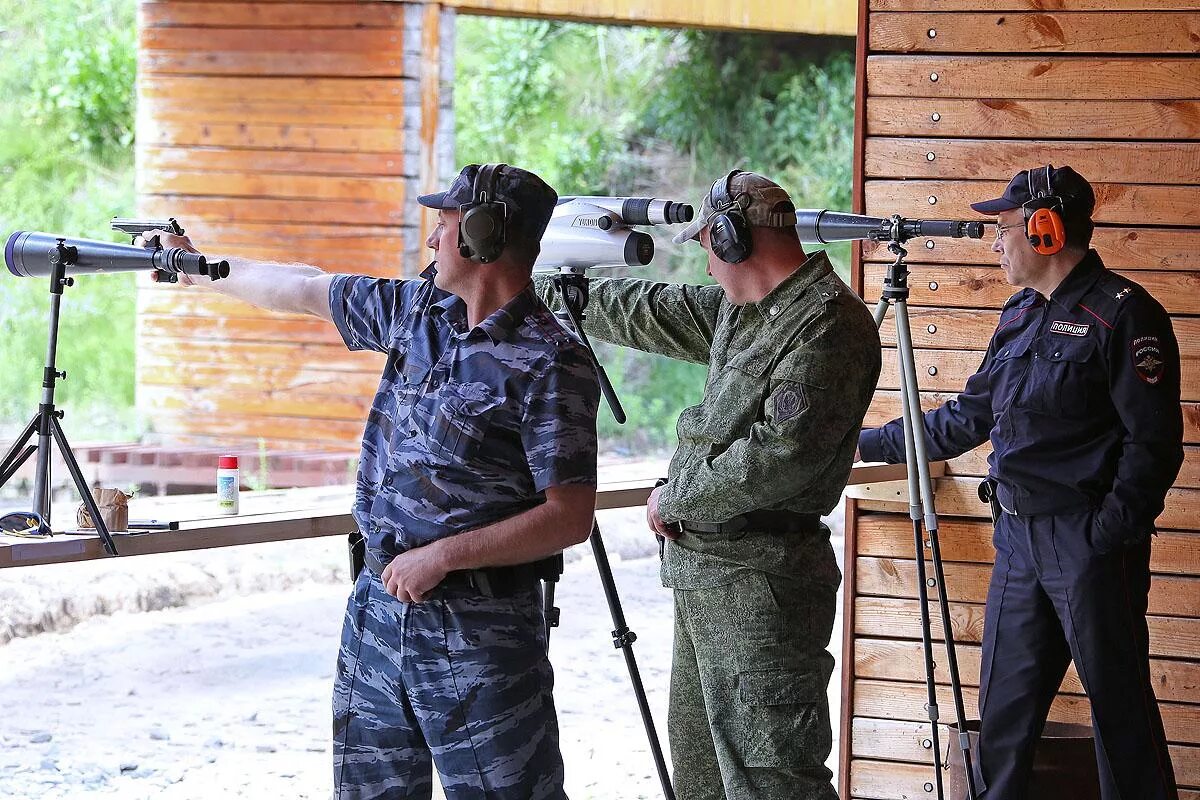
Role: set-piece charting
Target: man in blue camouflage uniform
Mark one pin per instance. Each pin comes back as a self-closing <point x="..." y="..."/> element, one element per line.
<point x="478" y="459"/>
<point x="793" y="358"/>
<point x="1079" y="393"/>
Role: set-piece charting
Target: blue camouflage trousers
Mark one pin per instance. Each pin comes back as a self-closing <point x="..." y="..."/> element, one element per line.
<point x="460" y="682"/>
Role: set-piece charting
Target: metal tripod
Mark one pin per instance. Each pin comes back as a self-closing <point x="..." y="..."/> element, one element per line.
<point x="573" y="287"/>
<point x="921" y="507"/>
<point x="45" y="423"/>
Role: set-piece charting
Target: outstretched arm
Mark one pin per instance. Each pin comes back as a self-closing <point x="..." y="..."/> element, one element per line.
<point x="288" y="288"/>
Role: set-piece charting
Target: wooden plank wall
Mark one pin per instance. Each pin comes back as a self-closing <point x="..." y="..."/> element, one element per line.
<point x="826" y="17"/>
<point x="958" y="95"/>
<point x="294" y="132"/>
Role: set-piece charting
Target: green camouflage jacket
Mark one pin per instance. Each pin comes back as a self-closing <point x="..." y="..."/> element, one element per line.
<point x="789" y="381"/>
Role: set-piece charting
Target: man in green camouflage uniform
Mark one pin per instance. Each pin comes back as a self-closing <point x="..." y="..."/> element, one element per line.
<point x="793" y="359"/>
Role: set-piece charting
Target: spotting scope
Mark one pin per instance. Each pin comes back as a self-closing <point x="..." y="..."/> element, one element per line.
<point x="823" y="226"/>
<point x="595" y="231"/>
<point x="32" y="254"/>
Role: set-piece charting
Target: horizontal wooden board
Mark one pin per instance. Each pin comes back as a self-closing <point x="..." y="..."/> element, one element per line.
<point x="961" y="540"/>
<point x="948" y="370"/>
<point x="301" y="41"/>
<point x="271" y="15"/>
<point x="339" y="138"/>
<point x="248" y="356"/>
<point x="389" y="237"/>
<point x="1038" y="32"/>
<point x="1034" y="5"/>
<point x="952" y="368"/>
<point x="895" y="700"/>
<point x="219" y="402"/>
<point x="951" y="286"/>
<point x="318" y="433"/>
<point x="944" y="328"/>
<point x="910" y="741"/>
<point x="1043" y="119"/>
<point x="272" y="89"/>
<point x="286" y="330"/>
<point x="266" y="382"/>
<point x="895" y="618"/>
<point x="199" y="183"/>
<point x="889" y="780"/>
<point x="960" y="497"/>
<point x="968" y="583"/>
<point x="224" y="159"/>
<point x="1174" y="681"/>
<point x="885" y="407"/>
<point x="1175" y="249"/>
<point x="257" y="209"/>
<point x="342" y="115"/>
<point x="270" y="62"/>
<point x="998" y="159"/>
<point x="1117" y="203"/>
<point x="1029" y="77"/>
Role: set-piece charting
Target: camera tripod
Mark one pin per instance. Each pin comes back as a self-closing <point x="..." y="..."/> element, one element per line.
<point x="921" y="508"/>
<point x="45" y="423"/>
<point x="572" y="285"/>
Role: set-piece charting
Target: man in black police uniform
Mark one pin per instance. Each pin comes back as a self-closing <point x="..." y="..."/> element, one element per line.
<point x="1079" y="393"/>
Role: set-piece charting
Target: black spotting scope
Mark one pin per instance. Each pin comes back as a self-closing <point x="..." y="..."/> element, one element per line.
<point x="32" y="254"/>
<point x="822" y="226"/>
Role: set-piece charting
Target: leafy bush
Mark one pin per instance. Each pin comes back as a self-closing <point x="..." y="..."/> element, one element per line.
<point x="635" y="111"/>
<point x="66" y="165"/>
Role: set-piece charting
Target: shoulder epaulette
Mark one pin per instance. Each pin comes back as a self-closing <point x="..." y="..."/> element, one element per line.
<point x="1108" y="295"/>
<point x="548" y="326"/>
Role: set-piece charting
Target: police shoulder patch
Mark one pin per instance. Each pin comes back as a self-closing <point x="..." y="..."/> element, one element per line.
<point x="788" y="401"/>
<point x="549" y="327"/>
<point x="1146" y="354"/>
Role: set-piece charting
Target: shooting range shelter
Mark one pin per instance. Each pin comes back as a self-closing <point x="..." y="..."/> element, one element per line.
<point x="958" y="95"/>
<point x="303" y="131"/>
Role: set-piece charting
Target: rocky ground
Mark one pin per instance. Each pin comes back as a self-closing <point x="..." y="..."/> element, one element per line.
<point x="206" y="675"/>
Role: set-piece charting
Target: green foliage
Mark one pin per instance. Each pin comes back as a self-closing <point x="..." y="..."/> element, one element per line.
<point x="66" y="166"/>
<point x="635" y="111"/>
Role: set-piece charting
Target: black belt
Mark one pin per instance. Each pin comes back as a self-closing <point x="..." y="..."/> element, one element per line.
<point x="490" y="581"/>
<point x="765" y="521"/>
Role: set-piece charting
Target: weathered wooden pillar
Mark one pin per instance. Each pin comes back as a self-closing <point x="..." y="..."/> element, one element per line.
<point x="293" y="132"/>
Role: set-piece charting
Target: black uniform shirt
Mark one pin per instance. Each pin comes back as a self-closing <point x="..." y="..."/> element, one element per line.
<point x="1080" y="397"/>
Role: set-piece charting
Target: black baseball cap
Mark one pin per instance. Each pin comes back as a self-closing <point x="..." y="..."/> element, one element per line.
<point x="1078" y="198"/>
<point x="530" y="199"/>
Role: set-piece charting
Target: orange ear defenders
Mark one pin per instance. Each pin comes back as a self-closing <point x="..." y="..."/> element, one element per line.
<point x="1044" y="218"/>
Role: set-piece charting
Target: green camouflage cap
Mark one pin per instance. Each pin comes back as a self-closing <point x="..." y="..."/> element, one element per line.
<point x="762" y="200"/>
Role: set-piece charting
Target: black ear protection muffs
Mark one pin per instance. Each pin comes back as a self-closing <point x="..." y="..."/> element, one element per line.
<point x="483" y="227"/>
<point x="1044" y="217"/>
<point x="728" y="230"/>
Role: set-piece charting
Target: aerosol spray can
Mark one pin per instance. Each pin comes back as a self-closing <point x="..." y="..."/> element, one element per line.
<point x="228" y="482"/>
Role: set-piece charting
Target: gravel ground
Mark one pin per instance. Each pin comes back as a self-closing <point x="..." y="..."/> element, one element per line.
<point x="228" y="695"/>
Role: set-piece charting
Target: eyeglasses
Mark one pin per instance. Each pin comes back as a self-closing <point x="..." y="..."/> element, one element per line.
<point x="1000" y="229"/>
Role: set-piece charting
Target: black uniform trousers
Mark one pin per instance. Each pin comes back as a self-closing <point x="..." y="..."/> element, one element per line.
<point x="1054" y="598"/>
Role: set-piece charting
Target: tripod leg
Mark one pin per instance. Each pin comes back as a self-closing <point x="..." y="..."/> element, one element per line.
<point x="916" y="450"/>
<point x="19" y="443"/>
<point x="623" y="639"/>
<point x="7" y="473"/>
<point x="85" y="493"/>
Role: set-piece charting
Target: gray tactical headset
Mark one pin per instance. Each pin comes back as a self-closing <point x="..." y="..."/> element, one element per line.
<point x="483" y="227"/>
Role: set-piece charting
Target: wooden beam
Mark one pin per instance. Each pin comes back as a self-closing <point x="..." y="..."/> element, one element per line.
<point x="1015" y="32"/>
<point x="1032" y="77"/>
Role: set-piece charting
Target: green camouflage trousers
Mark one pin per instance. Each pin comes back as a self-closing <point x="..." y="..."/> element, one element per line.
<point x="749" y="715"/>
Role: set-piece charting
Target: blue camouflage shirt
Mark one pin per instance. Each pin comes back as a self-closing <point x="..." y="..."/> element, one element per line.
<point x="469" y="425"/>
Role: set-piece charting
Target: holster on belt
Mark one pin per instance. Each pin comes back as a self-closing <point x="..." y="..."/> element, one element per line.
<point x="357" y="547"/>
<point x="987" y="493"/>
